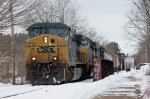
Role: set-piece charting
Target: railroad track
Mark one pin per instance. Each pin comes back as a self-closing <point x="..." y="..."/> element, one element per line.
<point x="20" y="93"/>
<point x="32" y="89"/>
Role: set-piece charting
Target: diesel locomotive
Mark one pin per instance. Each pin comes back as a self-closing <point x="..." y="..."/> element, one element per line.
<point x="56" y="54"/>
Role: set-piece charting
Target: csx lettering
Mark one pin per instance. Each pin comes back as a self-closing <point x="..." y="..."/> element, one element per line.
<point x="45" y="49"/>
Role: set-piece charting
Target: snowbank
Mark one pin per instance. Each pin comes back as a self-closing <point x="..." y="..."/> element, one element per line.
<point x="81" y="90"/>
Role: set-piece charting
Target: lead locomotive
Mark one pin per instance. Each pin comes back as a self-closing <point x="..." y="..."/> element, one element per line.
<point x="56" y="54"/>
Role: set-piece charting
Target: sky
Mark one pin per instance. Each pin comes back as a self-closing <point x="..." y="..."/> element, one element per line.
<point x="109" y="19"/>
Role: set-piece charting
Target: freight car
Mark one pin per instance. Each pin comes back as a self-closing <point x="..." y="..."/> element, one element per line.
<point x="105" y="64"/>
<point x="56" y="54"/>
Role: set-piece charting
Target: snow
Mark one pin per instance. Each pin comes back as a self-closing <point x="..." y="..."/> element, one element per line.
<point x="80" y="90"/>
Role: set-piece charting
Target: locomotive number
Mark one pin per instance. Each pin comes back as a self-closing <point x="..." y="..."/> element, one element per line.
<point x="46" y="49"/>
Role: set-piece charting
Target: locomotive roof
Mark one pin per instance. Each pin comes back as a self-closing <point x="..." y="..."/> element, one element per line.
<point x="49" y="25"/>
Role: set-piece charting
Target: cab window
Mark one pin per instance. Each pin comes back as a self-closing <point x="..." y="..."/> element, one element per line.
<point x="36" y="31"/>
<point x="84" y="42"/>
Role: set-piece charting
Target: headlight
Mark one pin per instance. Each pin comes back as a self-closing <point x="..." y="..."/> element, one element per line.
<point x="55" y="58"/>
<point x="45" y="39"/>
<point x="62" y="44"/>
<point x="33" y="58"/>
<point x="63" y="62"/>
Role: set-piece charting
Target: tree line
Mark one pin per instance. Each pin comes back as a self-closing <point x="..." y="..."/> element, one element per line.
<point x="6" y="56"/>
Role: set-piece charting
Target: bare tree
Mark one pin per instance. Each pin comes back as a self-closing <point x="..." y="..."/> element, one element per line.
<point x="113" y="48"/>
<point x="64" y="11"/>
<point x="11" y="14"/>
<point x="94" y="35"/>
<point x="139" y="24"/>
<point x="20" y="9"/>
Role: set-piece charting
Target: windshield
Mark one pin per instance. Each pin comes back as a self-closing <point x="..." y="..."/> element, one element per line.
<point x="35" y="31"/>
<point x="84" y="42"/>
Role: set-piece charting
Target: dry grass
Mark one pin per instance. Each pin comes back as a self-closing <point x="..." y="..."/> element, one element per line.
<point x="117" y="97"/>
<point x="148" y="73"/>
<point x="122" y="94"/>
<point x="132" y="79"/>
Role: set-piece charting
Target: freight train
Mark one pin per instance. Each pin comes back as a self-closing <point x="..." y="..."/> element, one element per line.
<point x="56" y="54"/>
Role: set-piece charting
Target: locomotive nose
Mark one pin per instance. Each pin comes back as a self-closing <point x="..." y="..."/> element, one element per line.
<point x="46" y="48"/>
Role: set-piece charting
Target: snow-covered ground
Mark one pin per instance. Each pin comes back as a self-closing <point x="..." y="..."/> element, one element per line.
<point x="80" y="90"/>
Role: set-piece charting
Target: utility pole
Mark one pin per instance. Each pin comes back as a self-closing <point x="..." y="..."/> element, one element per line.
<point x="12" y="41"/>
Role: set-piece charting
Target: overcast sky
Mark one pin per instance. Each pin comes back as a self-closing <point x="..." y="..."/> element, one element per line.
<point x="109" y="19"/>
